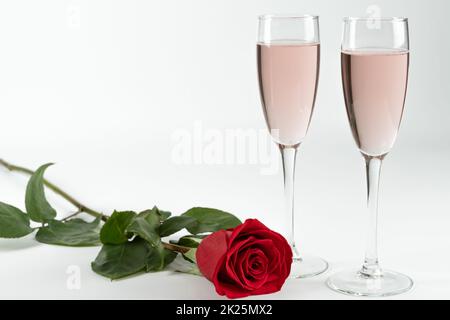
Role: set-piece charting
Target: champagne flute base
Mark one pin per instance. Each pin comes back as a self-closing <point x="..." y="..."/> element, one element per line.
<point x="355" y="283"/>
<point x="307" y="266"/>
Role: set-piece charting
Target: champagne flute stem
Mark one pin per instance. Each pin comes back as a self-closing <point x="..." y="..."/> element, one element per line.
<point x="373" y="169"/>
<point x="288" y="154"/>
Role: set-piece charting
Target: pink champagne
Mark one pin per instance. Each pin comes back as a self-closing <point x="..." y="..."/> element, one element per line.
<point x="375" y="89"/>
<point x="288" y="76"/>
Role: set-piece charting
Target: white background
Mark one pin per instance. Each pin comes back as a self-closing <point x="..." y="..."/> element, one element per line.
<point x="100" y="87"/>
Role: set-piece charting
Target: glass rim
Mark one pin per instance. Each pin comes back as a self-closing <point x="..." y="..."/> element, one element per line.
<point x="387" y="19"/>
<point x="288" y="16"/>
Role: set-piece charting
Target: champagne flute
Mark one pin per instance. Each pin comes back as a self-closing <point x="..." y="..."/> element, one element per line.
<point x="288" y="67"/>
<point x="374" y="63"/>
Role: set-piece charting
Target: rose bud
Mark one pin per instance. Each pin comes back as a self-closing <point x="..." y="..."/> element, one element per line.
<point x="248" y="260"/>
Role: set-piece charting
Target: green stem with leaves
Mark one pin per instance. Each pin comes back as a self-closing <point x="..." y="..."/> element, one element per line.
<point x="81" y="207"/>
<point x="131" y="242"/>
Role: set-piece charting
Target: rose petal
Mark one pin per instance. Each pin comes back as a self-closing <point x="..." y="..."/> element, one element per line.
<point x="285" y="252"/>
<point x="231" y="262"/>
<point x="210" y="252"/>
<point x="234" y="262"/>
<point x="247" y="279"/>
<point x="250" y="226"/>
<point x="258" y="263"/>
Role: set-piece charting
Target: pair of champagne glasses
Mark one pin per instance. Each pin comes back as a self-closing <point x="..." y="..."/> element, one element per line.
<point x="374" y="64"/>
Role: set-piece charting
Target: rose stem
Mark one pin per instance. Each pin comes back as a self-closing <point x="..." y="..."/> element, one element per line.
<point x="76" y="203"/>
<point x="176" y="248"/>
<point x="72" y="215"/>
<point x="81" y="207"/>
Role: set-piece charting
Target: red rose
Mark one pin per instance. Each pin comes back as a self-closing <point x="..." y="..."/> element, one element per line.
<point x="247" y="260"/>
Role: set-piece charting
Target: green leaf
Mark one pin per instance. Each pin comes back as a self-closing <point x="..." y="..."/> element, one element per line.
<point x="175" y="224"/>
<point x="114" y="231"/>
<point x="190" y="241"/>
<point x="146" y="225"/>
<point x="159" y="258"/>
<point x="37" y="206"/>
<point x="75" y="233"/>
<point x="164" y="215"/>
<point x="210" y="220"/>
<point x="13" y="222"/>
<point x="183" y="265"/>
<point x="190" y="255"/>
<point x="118" y="261"/>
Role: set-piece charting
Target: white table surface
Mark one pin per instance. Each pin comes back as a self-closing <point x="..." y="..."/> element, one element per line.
<point x="414" y="236"/>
